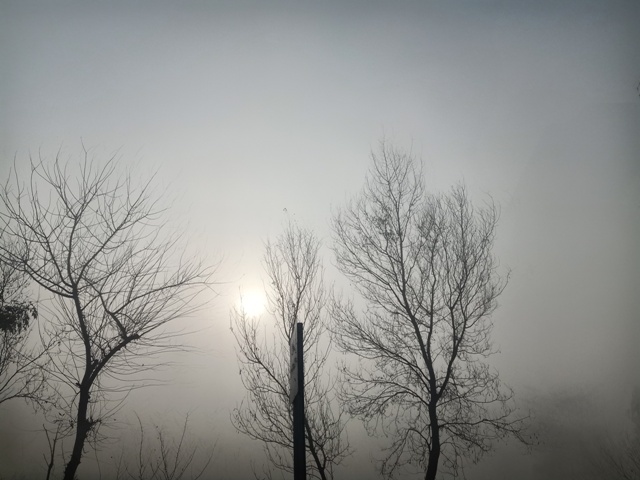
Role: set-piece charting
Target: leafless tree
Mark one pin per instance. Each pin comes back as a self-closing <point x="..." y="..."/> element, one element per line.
<point x="21" y="375"/>
<point x="295" y="293"/>
<point x="52" y="443"/>
<point x="423" y="264"/>
<point x="163" y="458"/>
<point x="94" y="240"/>
<point x="620" y="456"/>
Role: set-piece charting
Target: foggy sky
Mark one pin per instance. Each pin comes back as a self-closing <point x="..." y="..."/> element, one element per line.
<point x="246" y="109"/>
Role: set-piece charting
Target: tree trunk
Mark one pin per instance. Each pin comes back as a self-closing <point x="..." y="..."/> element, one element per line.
<point x="82" y="430"/>
<point x="434" y="451"/>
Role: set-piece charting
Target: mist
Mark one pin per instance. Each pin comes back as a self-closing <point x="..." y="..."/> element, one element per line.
<point x="249" y="116"/>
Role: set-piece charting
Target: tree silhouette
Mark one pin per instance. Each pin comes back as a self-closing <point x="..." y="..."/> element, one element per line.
<point x="295" y="294"/>
<point x="95" y="242"/>
<point x="423" y="264"/>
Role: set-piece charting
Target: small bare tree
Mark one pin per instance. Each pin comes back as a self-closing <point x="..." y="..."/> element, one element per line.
<point x="163" y="457"/>
<point x="620" y="457"/>
<point x="424" y="266"/>
<point x="295" y="293"/>
<point x="95" y="242"/>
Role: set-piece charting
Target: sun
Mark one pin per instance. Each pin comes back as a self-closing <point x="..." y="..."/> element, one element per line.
<point x="252" y="302"/>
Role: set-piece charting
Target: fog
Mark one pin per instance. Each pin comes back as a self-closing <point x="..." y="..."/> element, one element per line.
<point x="251" y="115"/>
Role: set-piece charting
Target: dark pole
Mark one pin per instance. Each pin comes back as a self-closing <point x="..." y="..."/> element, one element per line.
<point x="299" y="457"/>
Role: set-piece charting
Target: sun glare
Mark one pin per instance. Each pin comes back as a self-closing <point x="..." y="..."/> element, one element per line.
<point x="253" y="302"/>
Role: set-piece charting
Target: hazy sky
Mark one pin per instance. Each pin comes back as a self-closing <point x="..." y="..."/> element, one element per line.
<point x="247" y="108"/>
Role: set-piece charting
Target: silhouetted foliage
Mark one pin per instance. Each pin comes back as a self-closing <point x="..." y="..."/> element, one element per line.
<point x="423" y="264"/>
<point x="14" y="319"/>
<point x="20" y="372"/>
<point x="15" y="311"/>
<point x="295" y="293"/>
<point x="94" y="241"/>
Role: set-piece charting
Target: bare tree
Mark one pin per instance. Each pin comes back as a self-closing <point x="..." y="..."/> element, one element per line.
<point x="423" y="264"/>
<point x="620" y="457"/>
<point x="163" y="457"/>
<point x="295" y="293"/>
<point x="95" y="241"/>
<point x="21" y="375"/>
<point x="52" y="443"/>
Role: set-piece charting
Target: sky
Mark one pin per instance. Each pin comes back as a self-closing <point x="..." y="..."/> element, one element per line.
<point x="253" y="113"/>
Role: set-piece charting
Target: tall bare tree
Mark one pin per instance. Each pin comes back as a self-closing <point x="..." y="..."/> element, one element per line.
<point x="423" y="264"/>
<point x="94" y="240"/>
<point x="295" y="293"/>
